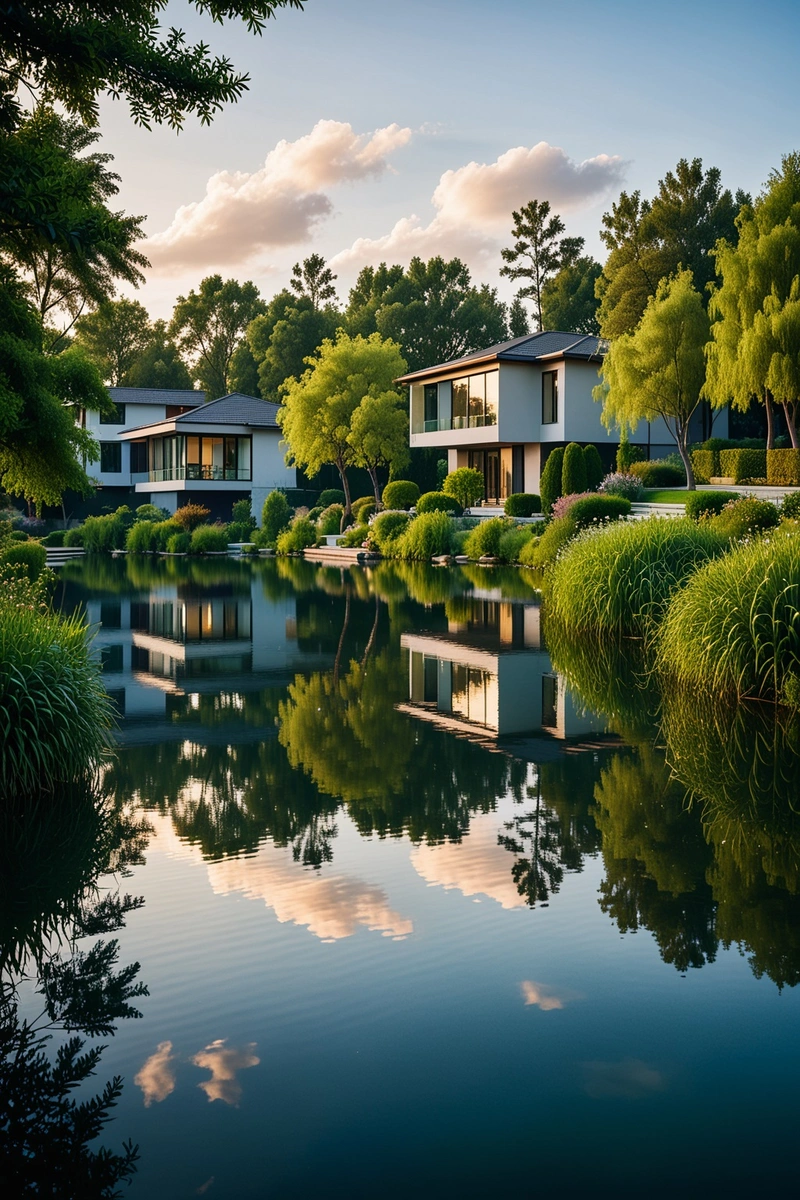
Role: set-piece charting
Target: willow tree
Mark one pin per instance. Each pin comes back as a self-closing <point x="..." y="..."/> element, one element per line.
<point x="659" y="369"/>
<point x="318" y="409"/>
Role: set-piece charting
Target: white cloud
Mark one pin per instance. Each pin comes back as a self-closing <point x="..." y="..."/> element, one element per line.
<point x="477" y="866"/>
<point x="224" y="1062"/>
<point x="244" y="214"/>
<point x="474" y="204"/>
<point x="541" y="995"/>
<point x="157" y="1076"/>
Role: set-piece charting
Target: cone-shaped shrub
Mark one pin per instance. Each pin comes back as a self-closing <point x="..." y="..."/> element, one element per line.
<point x="573" y="470"/>
<point x="550" y="484"/>
<point x="593" y="466"/>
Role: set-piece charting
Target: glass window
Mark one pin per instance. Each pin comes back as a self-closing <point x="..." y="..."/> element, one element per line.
<point x="460" y="403"/>
<point x="244" y="458"/>
<point x="477" y="399"/>
<point x="111" y="457"/>
<point x="431" y="405"/>
<point x="117" y="417"/>
<point x="492" y="396"/>
<point x="138" y="456"/>
<point x="549" y="397"/>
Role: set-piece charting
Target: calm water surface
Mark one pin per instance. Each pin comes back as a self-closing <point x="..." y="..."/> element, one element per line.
<point x="417" y="923"/>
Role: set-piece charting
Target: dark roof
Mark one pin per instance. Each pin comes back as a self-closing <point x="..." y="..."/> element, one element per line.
<point x="168" y="396"/>
<point x="235" y="409"/>
<point x="530" y="348"/>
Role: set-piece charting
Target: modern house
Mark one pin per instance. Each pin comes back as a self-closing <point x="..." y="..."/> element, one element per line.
<point x="503" y="409"/>
<point x="173" y="448"/>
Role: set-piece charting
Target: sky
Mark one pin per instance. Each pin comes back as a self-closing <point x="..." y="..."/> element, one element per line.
<point x="373" y="131"/>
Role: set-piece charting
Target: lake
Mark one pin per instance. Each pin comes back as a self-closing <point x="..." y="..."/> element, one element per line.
<point x="416" y="921"/>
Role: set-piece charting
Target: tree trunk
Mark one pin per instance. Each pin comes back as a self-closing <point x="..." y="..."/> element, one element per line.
<point x="348" y="508"/>
<point x="789" y="413"/>
<point x="770" y="421"/>
<point x="682" y="438"/>
<point x="373" y="474"/>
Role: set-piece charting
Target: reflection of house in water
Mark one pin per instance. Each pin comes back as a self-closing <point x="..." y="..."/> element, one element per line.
<point x="489" y="675"/>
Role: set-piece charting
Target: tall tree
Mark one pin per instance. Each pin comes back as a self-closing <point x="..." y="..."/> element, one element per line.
<point x="314" y="280"/>
<point x="114" y="336"/>
<point x="648" y="240"/>
<point x="379" y="430"/>
<point x="318" y="408"/>
<point x="290" y="331"/>
<point x="538" y="251"/>
<point x="518" y="323"/>
<point x="209" y="324"/>
<point x="158" y="364"/>
<point x="659" y="369"/>
<point x="568" y="298"/>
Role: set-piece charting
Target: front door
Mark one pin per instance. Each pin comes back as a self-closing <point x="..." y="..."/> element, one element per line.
<point x="493" y="489"/>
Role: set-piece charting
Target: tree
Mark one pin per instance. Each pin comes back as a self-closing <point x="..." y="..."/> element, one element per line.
<point x="114" y="336"/>
<point x="158" y="364"/>
<point x="538" y="251"/>
<point x="659" y="370"/>
<point x="465" y="485"/>
<point x="379" y="434"/>
<point x="518" y="323"/>
<point x="209" y="324"/>
<point x="648" y="240"/>
<point x="318" y="408"/>
<point x="568" y="298"/>
<point x="289" y="332"/>
<point x="313" y="279"/>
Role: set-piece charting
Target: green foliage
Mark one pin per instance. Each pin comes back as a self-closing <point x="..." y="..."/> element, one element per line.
<point x="628" y="486"/>
<point x="355" y="536"/>
<point x="593" y="465"/>
<point x="438" y="502"/>
<point x="704" y="465"/>
<point x="101" y="535"/>
<point x="113" y="337"/>
<point x="18" y="535"/>
<point x="592" y="509"/>
<point x="151" y="512"/>
<point x="179" y="543"/>
<point x="209" y="324"/>
<point x="241" y="512"/>
<point x="538" y="253"/>
<point x="379" y="433"/>
<point x="733" y="630"/>
<point x="465" y="485"/>
<point x="209" y="539"/>
<point x="656" y="474"/>
<point x="331" y="496"/>
<point x="429" y="534"/>
<point x="189" y="516"/>
<point x="164" y="530"/>
<point x="275" y="515"/>
<point x="281" y="340"/>
<point x="550" y="483"/>
<point x="484" y="539"/>
<point x="141" y="538"/>
<point x="569" y="302"/>
<point x="522" y="504"/>
<point x="512" y="542"/>
<point x="74" y="536"/>
<point x="791" y="506"/>
<point x="744" y="517"/>
<point x="783" y="468"/>
<point x="314" y="280"/>
<point x="627" y="452"/>
<point x="544" y="550"/>
<point x="387" y="528"/>
<point x="400" y="493"/>
<point x="55" y="715"/>
<point x="300" y="534"/>
<point x="54" y="539"/>
<point x="741" y="465"/>
<point x="240" y="531"/>
<point x="573" y="470"/>
<point x="158" y="364"/>
<point x="363" y="509"/>
<point x="31" y="556"/>
<point x="331" y="519"/>
<point x="619" y="579"/>
<point x="706" y="504"/>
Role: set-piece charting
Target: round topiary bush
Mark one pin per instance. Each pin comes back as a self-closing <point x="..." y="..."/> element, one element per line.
<point x="387" y="528"/>
<point x="56" y="538"/>
<point x="30" y="555"/>
<point x="707" y="504"/>
<point x="573" y="470"/>
<point x="151" y="512"/>
<point x="400" y="493"/>
<point x="522" y="504"/>
<point x="330" y="520"/>
<point x="593" y="465"/>
<point x="19" y="535"/>
<point x="363" y="508"/>
<point x="331" y="496"/>
<point x="550" y="483"/>
<point x="438" y="502"/>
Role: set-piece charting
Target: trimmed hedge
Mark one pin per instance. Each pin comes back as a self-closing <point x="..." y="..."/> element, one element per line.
<point x="400" y="493"/>
<point x="707" y="504"/>
<point x="783" y="468"/>
<point x="438" y="502"/>
<point x="743" y="464"/>
<point x="657" y="474"/>
<point x="522" y="504"/>
<point x="30" y="555"/>
<point x="704" y="465"/>
<point x="550" y="483"/>
<point x="573" y="470"/>
<point x="330" y="496"/>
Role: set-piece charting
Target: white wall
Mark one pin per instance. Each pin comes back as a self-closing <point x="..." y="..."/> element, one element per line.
<point x="135" y="415"/>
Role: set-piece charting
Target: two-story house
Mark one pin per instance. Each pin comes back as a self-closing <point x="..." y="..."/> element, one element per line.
<point x="503" y="409"/>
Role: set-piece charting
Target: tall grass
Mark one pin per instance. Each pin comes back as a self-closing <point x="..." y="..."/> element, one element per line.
<point x="428" y="534"/>
<point x="55" y="715"/>
<point x="734" y="631"/>
<point x="619" y="579"/>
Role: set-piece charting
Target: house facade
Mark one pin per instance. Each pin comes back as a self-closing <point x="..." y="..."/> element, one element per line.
<point x="503" y="409"/>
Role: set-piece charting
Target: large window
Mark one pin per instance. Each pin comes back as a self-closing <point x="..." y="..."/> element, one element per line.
<point x="431" y="407"/>
<point x="111" y="458"/>
<point x="138" y="458"/>
<point x="117" y="417"/>
<point x="549" y="397"/>
<point x="475" y="400"/>
<point x="218" y="458"/>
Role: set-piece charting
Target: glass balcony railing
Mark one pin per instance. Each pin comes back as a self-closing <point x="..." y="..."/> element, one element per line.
<point x="444" y="424"/>
<point x="196" y="471"/>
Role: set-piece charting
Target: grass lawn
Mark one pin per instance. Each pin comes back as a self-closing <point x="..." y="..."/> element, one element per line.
<point x="665" y="496"/>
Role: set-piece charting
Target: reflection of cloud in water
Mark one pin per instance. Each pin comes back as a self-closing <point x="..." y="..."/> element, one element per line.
<point x="157" y="1077"/>
<point x="223" y="1062"/>
<point x="630" y="1078"/>
<point x="332" y="906"/>
<point x="545" y="997"/>
<point x="476" y="866"/>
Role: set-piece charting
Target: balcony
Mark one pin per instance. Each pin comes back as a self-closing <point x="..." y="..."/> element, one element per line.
<point x="196" y="472"/>
<point x="445" y="424"/>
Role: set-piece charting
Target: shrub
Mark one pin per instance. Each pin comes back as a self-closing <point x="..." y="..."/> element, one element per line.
<point x="74" y="537"/>
<point x="619" y="484"/>
<point x="706" y="504"/>
<point x="56" y="538"/>
<point x="438" y="502"/>
<point x="550" y="483"/>
<point x="179" y="543"/>
<point x="19" y="535"/>
<point x="783" y="468"/>
<point x="242" y="514"/>
<point x="592" y="509"/>
<point x="33" y="526"/>
<point x="522" y="504"/>
<point x="275" y="516"/>
<point x="658" y="474"/>
<point x="29" y="555"/>
<point x="141" y="538"/>
<point x="564" y="503"/>
<point x="593" y="465"/>
<point x="573" y="470"/>
<point x="208" y="539"/>
<point x="363" y="509"/>
<point x="527" y="555"/>
<point x="733" y="630"/>
<point x="547" y="548"/>
<point x="401" y="493"/>
<point x="619" y="579"/>
<point x="300" y="534"/>
<point x="151" y="512"/>
<point x="428" y="534"/>
<point x="163" y="531"/>
<point x="191" y="515"/>
<point x="512" y="542"/>
<point x="54" y="711"/>
<point x="627" y="454"/>
<point x="387" y="528"/>
<point x="331" y="496"/>
<point x="331" y="519"/>
<point x="745" y="516"/>
<point x="485" y="538"/>
<point x="703" y="465"/>
<point x="315" y="513"/>
<point x="356" y="535"/>
<point x="240" y="531"/>
<point x="791" y="506"/>
<point x="743" y="464"/>
<point x="101" y="535"/>
<point x="465" y="485"/>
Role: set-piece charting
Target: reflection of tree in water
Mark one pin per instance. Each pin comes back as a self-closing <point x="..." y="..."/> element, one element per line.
<point x="51" y="856"/>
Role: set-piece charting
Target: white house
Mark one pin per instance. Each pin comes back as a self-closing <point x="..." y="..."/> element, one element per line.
<point x="503" y="409"/>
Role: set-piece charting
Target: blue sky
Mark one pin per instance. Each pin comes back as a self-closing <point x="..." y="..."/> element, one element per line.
<point x="624" y="88"/>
